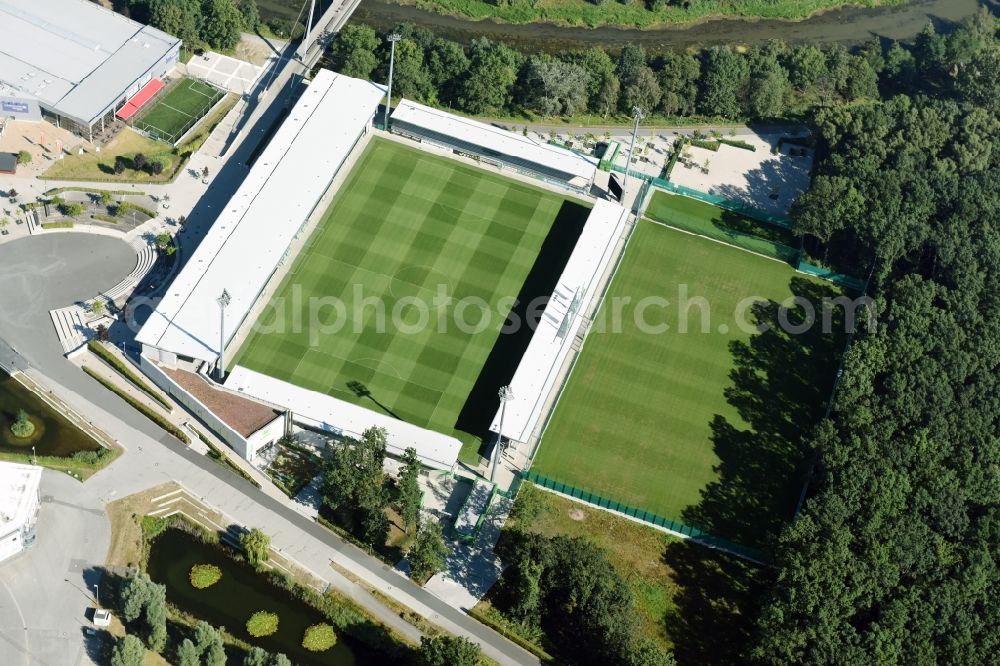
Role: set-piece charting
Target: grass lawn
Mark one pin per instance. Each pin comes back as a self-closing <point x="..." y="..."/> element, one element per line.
<point x="703" y="425"/>
<point x="405" y="225"/>
<point x="707" y="220"/>
<point x="178" y="109"/>
<point x="694" y="600"/>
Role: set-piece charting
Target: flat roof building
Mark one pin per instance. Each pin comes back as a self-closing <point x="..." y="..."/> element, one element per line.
<point x="76" y="61"/>
<point x="19" y="501"/>
<point x="495" y="145"/>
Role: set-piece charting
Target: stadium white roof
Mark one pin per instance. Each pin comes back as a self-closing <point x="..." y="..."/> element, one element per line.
<point x="18" y="494"/>
<point x="74" y="56"/>
<point x="330" y="414"/>
<point x="552" y="340"/>
<point x="495" y="140"/>
<point x="251" y="236"/>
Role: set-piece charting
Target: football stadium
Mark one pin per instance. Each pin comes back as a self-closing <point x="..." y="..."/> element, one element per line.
<point x="361" y="279"/>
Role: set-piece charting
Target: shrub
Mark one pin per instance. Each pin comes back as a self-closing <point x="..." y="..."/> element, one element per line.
<point x="23" y="157"/>
<point x="204" y="575"/>
<point x="319" y="637"/>
<point x="153" y="525"/>
<point x="257" y="546"/>
<point x="140" y="407"/>
<point x="262" y="623"/>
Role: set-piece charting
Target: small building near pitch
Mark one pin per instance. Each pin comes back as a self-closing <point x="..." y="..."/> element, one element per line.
<point x="75" y="63"/>
<point x="19" y="502"/>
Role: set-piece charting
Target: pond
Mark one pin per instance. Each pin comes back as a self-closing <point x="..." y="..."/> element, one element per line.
<point x="849" y="25"/>
<point x="54" y="435"/>
<point x="239" y="594"/>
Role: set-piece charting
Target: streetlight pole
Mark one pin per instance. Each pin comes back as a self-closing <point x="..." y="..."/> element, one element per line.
<point x="506" y="395"/>
<point x="305" y="37"/>
<point x="223" y="301"/>
<point x="639" y="115"/>
<point x="393" y="38"/>
<point x="97" y="595"/>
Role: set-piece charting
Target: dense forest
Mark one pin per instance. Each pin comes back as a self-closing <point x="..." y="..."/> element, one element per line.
<point x="894" y="556"/>
<point x="488" y="78"/>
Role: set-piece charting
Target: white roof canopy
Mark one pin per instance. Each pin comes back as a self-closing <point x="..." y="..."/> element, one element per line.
<point x="342" y="418"/>
<point x="494" y="141"/>
<point x="564" y="313"/>
<point x="251" y="236"/>
<point x="75" y="56"/>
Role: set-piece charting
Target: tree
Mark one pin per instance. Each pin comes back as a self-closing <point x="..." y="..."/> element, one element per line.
<point x="526" y="593"/>
<point x="448" y="651"/>
<point x="221" y="24"/>
<point x="257" y="546"/>
<point x="643" y="91"/>
<point x="806" y="66"/>
<point x="353" y="51"/>
<point x="23" y="157"/>
<point x="97" y="306"/>
<point x="767" y="88"/>
<point x="187" y="654"/>
<point x="120" y="165"/>
<point x="251" y="15"/>
<point x="374" y="522"/>
<point x="178" y="18"/>
<point x="410" y="75"/>
<point x="134" y="594"/>
<point x="139" y="162"/>
<point x="128" y="651"/>
<point x="429" y="552"/>
<point x="554" y="87"/>
<point x="410" y="495"/>
<point x="492" y="73"/>
<point x="446" y="64"/>
<point x="155" y="618"/>
<point x="724" y="73"/>
<point x="156" y="167"/>
<point x="104" y="198"/>
<point x="631" y="60"/>
<point x="678" y="78"/>
<point x="209" y="645"/>
<point x="603" y="84"/>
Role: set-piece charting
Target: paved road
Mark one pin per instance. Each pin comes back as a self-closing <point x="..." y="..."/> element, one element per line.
<point x="45" y="592"/>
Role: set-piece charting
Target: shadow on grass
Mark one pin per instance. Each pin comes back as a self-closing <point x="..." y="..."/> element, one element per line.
<point x="712" y="622"/>
<point x="780" y="383"/>
<point x="498" y="370"/>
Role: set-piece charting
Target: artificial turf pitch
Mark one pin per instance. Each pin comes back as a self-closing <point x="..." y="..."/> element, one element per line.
<point x="176" y="111"/>
<point x="647" y="418"/>
<point x="403" y="223"/>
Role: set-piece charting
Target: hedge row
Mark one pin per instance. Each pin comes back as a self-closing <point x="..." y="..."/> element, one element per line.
<point x="60" y="190"/>
<point x="57" y="225"/>
<point x="739" y="143"/>
<point x="140" y="407"/>
<point x="111" y="359"/>
<point x="505" y="631"/>
<point x="216" y="454"/>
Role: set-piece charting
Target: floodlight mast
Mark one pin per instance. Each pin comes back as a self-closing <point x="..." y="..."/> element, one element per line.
<point x="639" y="115"/>
<point x="506" y="395"/>
<point x="223" y="300"/>
<point x="393" y="38"/>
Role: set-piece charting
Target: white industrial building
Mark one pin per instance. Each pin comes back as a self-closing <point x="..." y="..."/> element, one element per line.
<point x="75" y="63"/>
<point x="19" y="501"/>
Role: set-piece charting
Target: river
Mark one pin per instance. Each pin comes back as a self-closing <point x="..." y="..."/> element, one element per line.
<point x="849" y="26"/>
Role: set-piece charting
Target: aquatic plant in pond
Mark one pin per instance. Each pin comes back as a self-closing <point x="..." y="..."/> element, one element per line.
<point x="53" y="434"/>
<point x="262" y="623"/>
<point x="204" y="575"/>
<point x="319" y="638"/>
<point x="22" y="426"/>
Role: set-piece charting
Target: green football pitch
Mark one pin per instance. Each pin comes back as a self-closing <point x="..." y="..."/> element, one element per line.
<point x="677" y="423"/>
<point x="179" y="109"/>
<point x="404" y="225"/>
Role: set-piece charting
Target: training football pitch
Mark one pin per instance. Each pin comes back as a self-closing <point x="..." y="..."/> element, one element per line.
<point x="179" y="109"/>
<point x="404" y="227"/>
<point x="695" y="426"/>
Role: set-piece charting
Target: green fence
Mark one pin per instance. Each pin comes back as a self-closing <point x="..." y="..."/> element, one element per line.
<point x="694" y="533"/>
<point x="609" y="156"/>
<point x="848" y="281"/>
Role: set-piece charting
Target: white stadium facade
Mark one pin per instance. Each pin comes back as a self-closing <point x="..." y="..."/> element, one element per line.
<point x="19" y="502"/>
<point x="283" y="196"/>
<point x="75" y="63"/>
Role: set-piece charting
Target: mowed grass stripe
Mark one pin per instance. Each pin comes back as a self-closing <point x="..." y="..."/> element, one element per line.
<point x="638" y="419"/>
<point x="403" y="222"/>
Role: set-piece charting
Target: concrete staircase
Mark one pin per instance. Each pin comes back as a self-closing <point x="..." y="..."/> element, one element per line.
<point x="145" y="258"/>
<point x="70" y="328"/>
